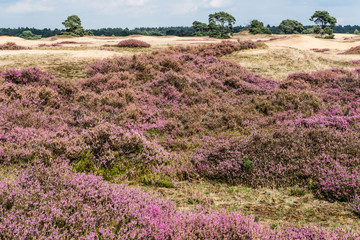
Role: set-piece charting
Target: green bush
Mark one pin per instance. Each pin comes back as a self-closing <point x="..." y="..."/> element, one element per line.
<point x="29" y="35"/>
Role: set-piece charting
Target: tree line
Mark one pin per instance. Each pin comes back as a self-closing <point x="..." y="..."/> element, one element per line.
<point x="220" y="25"/>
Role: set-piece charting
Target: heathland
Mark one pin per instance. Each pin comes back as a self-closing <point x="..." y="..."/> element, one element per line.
<point x="255" y="137"/>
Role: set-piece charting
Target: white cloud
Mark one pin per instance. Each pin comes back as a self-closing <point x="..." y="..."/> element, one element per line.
<point x="110" y="6"/>
<point x="109" y="3"/>
<point x="219" y="3"/>
<point x="189" y="6"/>
<point x="28" y="6"/>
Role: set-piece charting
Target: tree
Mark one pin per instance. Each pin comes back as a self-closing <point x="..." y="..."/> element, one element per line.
<point x="73" y="26"/>
<point x="257" y="27"/>
<point x="201" y="29"/>
<point x="290" y="27"/>
<point x="323" y="19"/>
<point x="221" y="24"/>
<point x="29" y="35"/>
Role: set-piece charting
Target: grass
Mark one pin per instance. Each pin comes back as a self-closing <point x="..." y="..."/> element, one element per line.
<point x="62" y="65"/>
<point x="278" y="63"/>
<point x="273" y="206"/>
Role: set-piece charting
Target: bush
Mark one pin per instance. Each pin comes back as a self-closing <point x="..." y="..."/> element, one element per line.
<point x="257" y="27"/>
<point x="45" y="201"/>
<point x="12" y="46"/>
<point x="27" y="75"/>
<point x="133" y="43"/>
<point x="29" y="35"/>
<point x="353" y="50"/>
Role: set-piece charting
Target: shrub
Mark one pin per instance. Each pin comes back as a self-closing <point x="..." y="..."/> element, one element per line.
<point x="133" y="43"/>
<point x="27" y="75"/>
<point x="355" y="204"/>
<point x="43" y="201"/>
<point x="29" y="35"/>
<point x="353" y="50"/>
<point x="12" y="46"/>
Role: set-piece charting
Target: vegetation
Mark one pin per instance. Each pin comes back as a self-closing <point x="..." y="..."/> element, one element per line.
<point x="11" y="46"/>
<point x="220" y="26"/>
<point x="290" y="27"/>
<point x="325" y="21"/>
<point x="74" y="28"/>
<point x="133" y="43"/>
<point x="29" y="35"/>
<point x="257" y="27"/>
<point x="201" y="29"/>
<point x="174" y="114"/>
<point x="160" y="31"/>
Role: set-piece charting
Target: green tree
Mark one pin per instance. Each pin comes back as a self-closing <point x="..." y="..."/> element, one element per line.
<point x="356" y="31"/>
<point x="330" y="33"/>
<point x="29" y="35"/>
<point x="290" y="27"/>
<point x="73" y="26"/>
<point x="257" y="27"/>
<point x="201" y="29"/>
<point x="317" y="29"/>
<point x="323" y="19"/>
<point x="221" y="25"/>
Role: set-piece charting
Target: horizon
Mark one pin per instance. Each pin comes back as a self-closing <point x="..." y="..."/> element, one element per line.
<point x="156" y="13"/>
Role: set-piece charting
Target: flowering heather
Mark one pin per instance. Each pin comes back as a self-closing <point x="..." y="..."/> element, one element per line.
<point x="27" y="75"/>
<point x="53" y="202"/>
<point x="177" y="113"/>
<point x="50" y="45"/>
<point x="133" y="43"/>
<point x="12" y="46"/>
<point x="353" y="50"/>
<point x="271" y="39"/>
<point x="355" y="62"/>
<point x="70" y="42"/>
<point x="320" y="50"/>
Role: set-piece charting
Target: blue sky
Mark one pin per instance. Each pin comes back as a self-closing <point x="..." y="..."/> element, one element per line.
<point x="155" y="13"/>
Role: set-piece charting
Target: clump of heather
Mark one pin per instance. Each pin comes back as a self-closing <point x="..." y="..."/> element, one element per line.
<point x="280" y="157"/>
<point x="219" y="49"/>
<point x="353" y="50"/>
<point x="27" y="75"/>
<point x="43" y="201"/>
<point x="12" y="46"/>
<point x="320" y="50"/>
<point x="133" y="43"/>
<point x="50" y="45"/>
<point x="355" y="204"/>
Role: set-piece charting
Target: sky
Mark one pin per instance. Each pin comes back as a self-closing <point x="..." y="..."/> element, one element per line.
<point x="96" y="14"/>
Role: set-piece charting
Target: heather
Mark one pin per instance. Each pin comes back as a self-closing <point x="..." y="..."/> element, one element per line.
<point x="52" y="202"/>
<point x="182" y="113"/>
<point x="11" y="46"/>
<point x="353" y="50"/>
<point x="133" y="43"/>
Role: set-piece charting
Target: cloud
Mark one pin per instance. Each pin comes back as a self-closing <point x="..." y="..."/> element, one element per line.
<point x="29" y="6"/>
<point x="188" y="6"/>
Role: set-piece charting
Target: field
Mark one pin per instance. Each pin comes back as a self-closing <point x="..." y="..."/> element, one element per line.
<point x="256" y="137"/>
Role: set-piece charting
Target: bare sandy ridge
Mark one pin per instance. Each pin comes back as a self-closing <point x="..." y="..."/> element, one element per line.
<point x="305" y="42"/>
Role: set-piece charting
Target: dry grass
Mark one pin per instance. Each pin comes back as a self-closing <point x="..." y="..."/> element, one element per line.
<point x="277" y="63"/>
<point x="61" y="65"/>
<point x="275" y="206"/>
